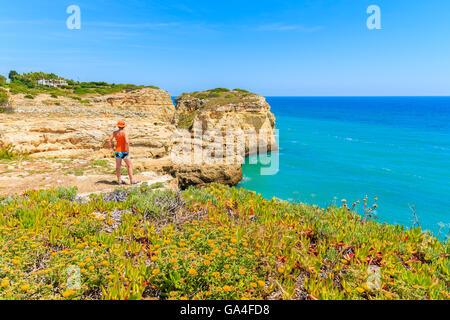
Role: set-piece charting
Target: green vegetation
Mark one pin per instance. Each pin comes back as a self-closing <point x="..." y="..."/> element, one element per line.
<point x="76" y="172"/>
<point x="27" y="84"/>
<point x="100" y="163"/>
<point x="219" y="96"/>
<point x="186" y="120"/>
<point x="212" y="243"/>
<point x="7" y="153"/>
<point x="2" y="80"/>
<point x="157" y="185"/>
<point x="4" y="98"/>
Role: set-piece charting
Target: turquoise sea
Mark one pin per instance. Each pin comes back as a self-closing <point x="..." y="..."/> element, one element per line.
<point x="333" y="148"/>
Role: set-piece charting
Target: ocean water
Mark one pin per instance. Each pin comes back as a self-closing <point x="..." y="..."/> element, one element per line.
<point x="393" y="148"/>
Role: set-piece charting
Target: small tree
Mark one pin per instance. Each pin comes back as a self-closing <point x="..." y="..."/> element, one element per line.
<point x="2" y="80"/>
<point x="12" y="75"/>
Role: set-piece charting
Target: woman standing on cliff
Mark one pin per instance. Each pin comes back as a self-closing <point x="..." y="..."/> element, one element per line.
<point x="122" y="151"/>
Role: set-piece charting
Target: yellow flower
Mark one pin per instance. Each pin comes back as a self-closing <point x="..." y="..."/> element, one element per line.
<point x="68" y="293"/>
<point x="15" y="261"/>
<point x="197" y="233"/>
<point x="4" y="283"/>
<point x="226" y="266"/>
<point x="360" y="290"/>
<point x="154" y="258"/>
<point x="25" y="287"/>
<point x="215" y="274"/>
<point x="253" y="284"/>
<point x="241" y="271"/>
<point x="280" y="270"/>
<point x="105" y="263"/>
<point x="91" y="268"/>
<point x="387" y="295"/>
<point x="183" y="298"/>
<point x="156" y="271"/>
<point x="261" y="283"/>
<point x="226" y="288"/>
<point x="111" y="276"/>
<point x="192" y="271"/>
<point x="173" y="293"/>
<point x="207" y="262"/>
<point x="173" y="260"/>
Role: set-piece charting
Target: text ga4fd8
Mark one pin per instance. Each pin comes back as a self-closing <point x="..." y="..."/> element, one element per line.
<point x="246" y="309"/>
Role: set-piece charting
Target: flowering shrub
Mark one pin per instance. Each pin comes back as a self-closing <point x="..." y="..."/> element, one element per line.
<point x="213" y="243"/>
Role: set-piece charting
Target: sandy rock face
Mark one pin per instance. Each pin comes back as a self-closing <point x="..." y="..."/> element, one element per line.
<point x="51" y="127"/>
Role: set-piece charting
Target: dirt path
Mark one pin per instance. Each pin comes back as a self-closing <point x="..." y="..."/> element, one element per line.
<point x="89" y="176"/>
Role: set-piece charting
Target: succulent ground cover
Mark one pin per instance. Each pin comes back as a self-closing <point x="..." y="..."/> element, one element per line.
<point x="212" y="243"/>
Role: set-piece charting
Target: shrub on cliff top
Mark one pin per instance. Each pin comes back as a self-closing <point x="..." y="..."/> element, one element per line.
<point x="27" y="84"/>
<point x="4" y="98"/>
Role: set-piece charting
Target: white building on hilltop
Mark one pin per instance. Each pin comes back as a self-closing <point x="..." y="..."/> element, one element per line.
<point x="52" y="83"/>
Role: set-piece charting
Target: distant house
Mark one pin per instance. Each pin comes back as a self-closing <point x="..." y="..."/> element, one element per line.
<point x="52" y="83"/>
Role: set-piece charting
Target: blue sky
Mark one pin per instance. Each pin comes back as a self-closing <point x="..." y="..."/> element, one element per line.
<point x="304" y="48"/>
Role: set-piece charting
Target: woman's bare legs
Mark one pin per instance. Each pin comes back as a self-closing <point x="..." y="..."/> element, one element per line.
<point x="118" y="165"/>
<point x="130" y="169"/>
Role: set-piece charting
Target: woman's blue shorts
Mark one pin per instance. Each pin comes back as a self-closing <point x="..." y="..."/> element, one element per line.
<point x="122" y="155"/>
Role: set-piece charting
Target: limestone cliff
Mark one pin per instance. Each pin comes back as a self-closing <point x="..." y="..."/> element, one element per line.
<point x="52" y="127"/>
